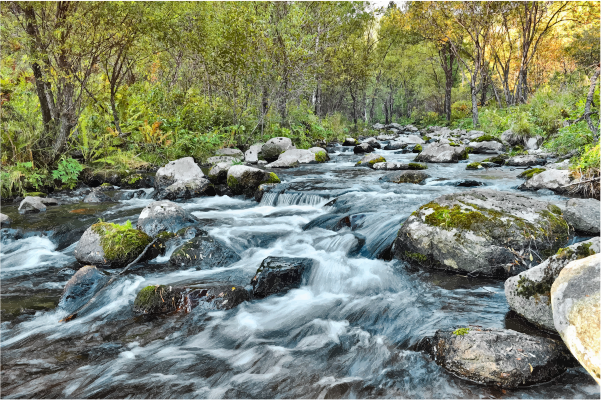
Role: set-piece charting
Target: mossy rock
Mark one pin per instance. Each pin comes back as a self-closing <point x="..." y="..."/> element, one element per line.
<point x="35" y="194"/>
<point x="245" y="180"/>
<point x="487" y="138"/>
<point x="474" y="165"/>
<point x="499" y="159"/>
<point x="417" y="149"/>
<point x="158" y="299"/>
<point x="417" y="166"/>
<point x="321" y="157"/>
<point x="529" y="173"/>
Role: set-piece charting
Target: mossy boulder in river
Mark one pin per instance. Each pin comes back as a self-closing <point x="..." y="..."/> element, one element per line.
<point x="481" y="232"/>
<point x="369" y="160"/>
<point x="245" y="180"/>
<point x="158" y="299"/>
<point x="110" y="245"/>
<point x="442" y="153"/>
<point x="405" y="177"/>
<point x="529" y="293"/>
<point x="164" y="216"/>
<point x="204" y="252"/>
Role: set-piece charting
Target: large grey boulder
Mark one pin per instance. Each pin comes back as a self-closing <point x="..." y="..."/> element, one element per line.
<point x="481" y="232"/>
<point x="363" y="148"/>
<point x="583" y="216"/>
<point x="552" y="179"/>
<point x="245" y="180"/>
<point x="490" y="147"/>
<point x="385" y="137"/>
<point x="280" y="274"/>
<point x="184" y="169"/>
<point x="576" y="311"/>
<point x="82" y="286"/>
<point x="529" y="293"/>
<point x="228" y="152"/>
<point x="35" y="204"/>
<point x="293" y="158"/>
<point x="4" y="221"/>
<point x="251" y="155"/>
<point x="321" y="155"/>
<point x="204" y="252"/>
<point x="218" y="174"/>
<point x="394" y="125"/>
<point x="529" y="160"/>
<point x="442" y="153"/>
<point x="499" y="357"/>
<point x="512" y="138"/>
<point x="164" y="216"/>
<point x="274" y="147"/>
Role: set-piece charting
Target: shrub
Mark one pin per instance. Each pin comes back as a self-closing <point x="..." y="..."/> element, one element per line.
<point x="570" y="138"/>
<point x="67" y="172"/>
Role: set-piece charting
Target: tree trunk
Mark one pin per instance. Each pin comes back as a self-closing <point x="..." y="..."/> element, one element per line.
<point x="587" y="106"/>
<point x="474" y="104"/>
<point x="354" y="108"/>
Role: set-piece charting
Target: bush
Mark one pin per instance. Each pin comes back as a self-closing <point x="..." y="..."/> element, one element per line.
<point x="67" y="172"/>
<point x="570" y="138"/>
<point x="585" y="168"/>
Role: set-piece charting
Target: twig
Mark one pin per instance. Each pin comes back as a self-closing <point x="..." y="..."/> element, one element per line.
<point x="576" y="183"/>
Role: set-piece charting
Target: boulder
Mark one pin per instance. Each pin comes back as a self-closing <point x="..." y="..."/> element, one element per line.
<point x="159" y="299"/>
<point x="363" y="148"/>
<point x="111" y="246"/>
<point x="442" y="153"/>
<point x="204" y="252"/>
<point x="245" y="180"/>
<point x="227" y="152"/>
<point x="481" y="232"/>
<point x="385" y="137"/>
<point x="35" y="204"/>
<point x="321" y="155"/>
<point x="186" y="190"/>
<point x="394" y="125"/>
<point x="576" y="311"/>
<point x="370" y="159"/>
<point x="274" y="147"/>
<point x="511" y="138"/>
<point x="529" y="293"/>
<point x="499" y="357"/>
<point x="490" y="147"/>
<point x="390" y="166"/>
<point x="533" y="143"/>
<point x="184" y="169"/>
<point x="396" y="145"/>
<point x="218" y="174"/>
<point x="293" y="158"/>
<point x="474" y="166"/>
<point x="219" y="159"/>
<point x="96" y="196"/>
<point x="164" y="216"/>
<point x="373" y="143"/>
<point x="378" y="126"/>
<point x="552" y="179"/>
<point x="529" y="160"/>
<point x="280" y="274"/>
<point x="4" y="221"/>
<point x="583" y="216"/>
<point x="405" y="177"/>
<point x="82" y="286"/>
<point x="251" y="155"/>
<point x="350" y="142"/>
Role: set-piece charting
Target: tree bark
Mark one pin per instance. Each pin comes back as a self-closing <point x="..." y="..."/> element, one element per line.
<point x="589" y="101"/>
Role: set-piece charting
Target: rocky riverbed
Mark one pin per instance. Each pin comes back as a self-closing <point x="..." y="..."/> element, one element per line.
<point x="321" y="288"/>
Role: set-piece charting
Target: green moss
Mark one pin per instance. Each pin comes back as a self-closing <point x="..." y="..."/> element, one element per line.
<point x="418" y="148"/>
<point x="321" y="157"/>
<point x="461" y="331"/>
<point x="273" y="178"/>
<point x="377" y="160"/>
<point x="232" y="182"/>
<point x="35" y="194"/>
<point x="500" y="159"/>
<point x="453" y="217"/>
<point x="417" y="166"/>
<point x="120" y="243"/>
<point x="106" y="184"/>
<point x="133" y="179"/>
<point x="488" y="138"/>
<point x="529" y="173"/>
<point x="464" y="155"/>
<point x="418" y="257"/>
<point x="454" y="144"/>
<point x="474" y="165"/>
<point x="165" y="235"/>
<point x="426" y="138"/>
<point x="528" y="288"/>
<point x="564" y="252"/>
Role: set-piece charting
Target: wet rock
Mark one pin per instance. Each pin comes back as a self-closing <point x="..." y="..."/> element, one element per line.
<point x="219" y="159"/>
<point x="164" y="216"/>
<point x="280" y="274"/>
<point x="220" y="297"/>
<point x="182" y="170"/>
<point x="370" y="159"/>
<point x="96" y="196"/>
<point x="442" y="153"/>
<point x="138" y="194"/>
<point x="227" y="152"/>
<point x="350" y="142"/>
<point x="511" y="138"/>
<point x="474" y="166"/>
<point x="500" y="357"/>
<point x="138" y="181"/>
<point x="293" y="158"/>
<point x="363" y="148"/>
<point x="576" y="304"/>
<point x="274" y="147"/>
<point x="552" y="179"/>
<point x="373" y="143"/>
<point x="34" y="204"/>
<point x="490" y="147"/>
<point x="583" y="216"/>
<point x="402" y="141"/>
<point x="251" y="155"/>
<point x="321" y="155"/>
<point x="204" y="252"/>
<point x="405" y="177"/>
<point x="396" y="145"/>
<point x="186" y="190"/>
<point x="525" y="161"/>
<point x="481" y="232"/>
<point x="218" y="174"/>
<point x="468" y="183"/>
<point x="81" y="288"/>
<point x="110" y="246"/>
<point x="529" y="293"/>
<point x="4" y="221"/>
<point x="245" y="180"/>
<point x="390" y="166"/>
<point x="158" y="299"/>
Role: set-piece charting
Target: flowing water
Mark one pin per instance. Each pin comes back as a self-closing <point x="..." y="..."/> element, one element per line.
<point x="349" y="332"/>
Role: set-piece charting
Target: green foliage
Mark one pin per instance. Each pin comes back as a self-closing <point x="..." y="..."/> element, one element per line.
<point x="67" y="172"/>
<point x="417" y="166"/>
<point x="21" y="177"/>
<point x="461" y="331"/>
<point x="487" y="138"/>
<point x="569" y="138"/>
<point x="321" y="157"/>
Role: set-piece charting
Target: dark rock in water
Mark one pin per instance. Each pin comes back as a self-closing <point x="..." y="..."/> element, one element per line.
<point x="223" y="190"/>
<point x="500" y="357"/>
<point x="280" y="274"/>
<point x="204" y="252"/>
<point x="34" y="204"/>
<point x="373" y="143"/>
<point x="138" y="181"/>
<point x="396" y="145"/>
<point x="524" y="161"/>
<point x="246" y="180"/>
<point x="186" y="190"/>
<point x="469" y="183"/>
<point x="583" y="216"/>
<point x="408" y="176"/>
<point x="363" y="148"/>
<point x="96" y="196"/>
<point x="81" y="288"/>
<point x="350" y="142"/>
<point x="164" y="216"/>
<point x="4" y="221"/>
<point x="164" y="299"/>
<point x="138" y="194"/>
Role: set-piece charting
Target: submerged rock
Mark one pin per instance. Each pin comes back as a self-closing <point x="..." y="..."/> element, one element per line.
<point x="373" y="143"/>
<point x="204" y="252"/>
<point x="499" y="357"/>
<point x="583" y="216"/>
<point x="280" y="274"/>
<point x="245" y="180"/>
<point x="218" y="297"/>
<point x="158" y="299"/>
<point x="442" y="153"/>
<point x="4" y="221"/>
<point x="274" y="147"/>
<point x="164" y="216"/>
<point x="82" y="286"/>
<point x="109" y="245"/>
<point x="34" y="204"/>
<point x="370" y="159"/>
<point x="529" y="293"/>
<point x="405" y="177"/>
<point x="576" y="311"/>
<point x="552" y="179"/>
<point x="481" y="232"/>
